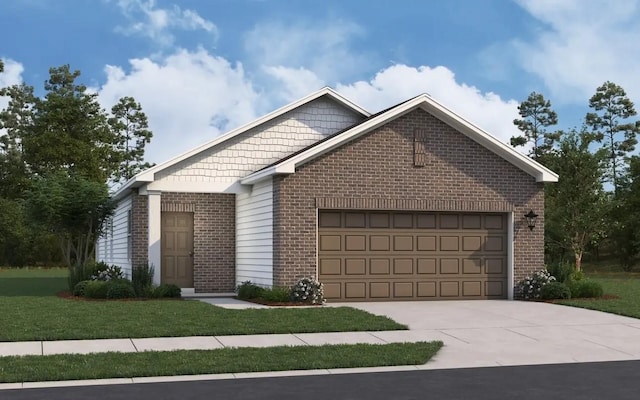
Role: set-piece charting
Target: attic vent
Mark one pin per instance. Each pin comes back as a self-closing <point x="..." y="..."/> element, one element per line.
<point x="419" y="147"/>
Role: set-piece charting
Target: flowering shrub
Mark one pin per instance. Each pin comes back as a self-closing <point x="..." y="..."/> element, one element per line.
<point x="531" y="286"/>
<point x="308" y="290"/>
<point x="107" y="273"/>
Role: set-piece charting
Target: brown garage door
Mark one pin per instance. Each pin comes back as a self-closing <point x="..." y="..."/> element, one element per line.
<point x="371" y="255"/>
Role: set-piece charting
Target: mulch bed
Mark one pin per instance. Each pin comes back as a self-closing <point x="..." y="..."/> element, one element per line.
<point x="277" y="303"/>
<point x="65" y="294"/>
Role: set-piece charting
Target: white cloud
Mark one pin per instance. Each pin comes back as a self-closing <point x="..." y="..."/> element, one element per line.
<point x="297" y="82"/>
<point x="189" y="97"/>
<point x="322" y="47"/>
<point x="580" y="44"/>
<point x="400" y="82"/>
<point x="157" y="24"/>
<point x="12" y="75"/>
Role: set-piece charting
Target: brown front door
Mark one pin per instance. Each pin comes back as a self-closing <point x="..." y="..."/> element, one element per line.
<point x="381" y="256"/>
<point x="177" y="249"/>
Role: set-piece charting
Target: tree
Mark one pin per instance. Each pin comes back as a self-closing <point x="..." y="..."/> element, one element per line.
<point x="536" y="115"/>
<point x="16" y="120"/>
<point x="576" y="204"/>
<point x="69" y="130"/>
<point x="625" y="221"/>
<point x="610" y="124"/>
<point x="131" y="128"/>
<point x="75" y="209"/>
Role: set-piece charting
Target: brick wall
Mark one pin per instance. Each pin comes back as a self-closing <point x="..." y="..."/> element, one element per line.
<point x="377" y="170"/>
<point x="213" y="241"/>
<point x="139" y="230"/>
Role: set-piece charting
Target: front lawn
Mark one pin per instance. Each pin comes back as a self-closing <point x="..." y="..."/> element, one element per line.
<point x="625" y="287"/>
<point x="32" y="281"/>
<point x="30" y="311"/>
<point x="229" y="360"/>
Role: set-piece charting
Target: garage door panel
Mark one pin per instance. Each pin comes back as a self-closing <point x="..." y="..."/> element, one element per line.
<point x="471" y="243"/>
<point x="471" y="222"/>
<point x="427" y="266"/>
<point x="380" y="266"/>
<point x="449" y="266"/>
<point x="380" y="255"/>
<point x="379" y="220"/>
<point x="496" y="289"/>
<point x="330" y="220"/>
<point x="496" y="266"/>
<point x="426" y="221"/>
<point x="472" y="266"/>
<point x="355" y="220"/>
<point x="379" y="243"/>
<point x="403" y="243"/>
<point x="427" y="243"/>
<point x="332" y="290"/>
<point x="402" y="289"/>
<point x="355" y="266"/>
<point x="330" y="243"/>
<point x="380" y="290"/>
<point x="355" y="290"/>
<point x="355" y="243"/>
<point x="403" y="266"/>
<point x="330" y="266"/>
<point x="494" y="244"/>
<point x="449" y="221"/>
<point x="450" y="289"/>
<point x="495" y="222"/>
<point x="449" y="243"/>
<point x="403" y="221"/>
<point x="471" y="288"/>
<point x="426" y="289"/>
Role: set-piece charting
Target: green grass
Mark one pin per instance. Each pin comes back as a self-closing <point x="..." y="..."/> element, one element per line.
<point x="53" y="318"/>
<point x="228" y="360"/>
<point x="32" y="281"/>
<point x="625" y="286"/>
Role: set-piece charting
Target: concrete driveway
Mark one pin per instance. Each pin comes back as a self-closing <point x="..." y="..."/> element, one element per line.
<point x="501" y="332"/>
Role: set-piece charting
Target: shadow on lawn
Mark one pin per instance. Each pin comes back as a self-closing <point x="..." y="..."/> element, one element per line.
<point x="39" y="287"/>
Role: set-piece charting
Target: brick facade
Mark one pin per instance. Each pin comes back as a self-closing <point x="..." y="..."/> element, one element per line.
<point x="376" y="171"/>
<point x="213" y="241"/>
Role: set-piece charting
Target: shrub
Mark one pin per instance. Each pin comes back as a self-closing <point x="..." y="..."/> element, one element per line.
<point x="247" y="290"/>
<point x="277" y="295"/>
<point x="555" y="290"/>
<point x="96" y="289"/>
<point x="308" y="290"/>
<point x="586" y="288"/>
<point x="120" y="289"/>
<point x="142" y="279"/>
<point x="78" y="289"/>
<point x="561" y="271"/>
<point x="576" y="276"/>
<point x="79" y="274"/>
<point x="167" y="290"/>
<point x="531" y="286"/>
<point x="106" y="272"/>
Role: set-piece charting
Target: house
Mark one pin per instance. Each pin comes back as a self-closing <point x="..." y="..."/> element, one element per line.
<point x="411" y="203"/>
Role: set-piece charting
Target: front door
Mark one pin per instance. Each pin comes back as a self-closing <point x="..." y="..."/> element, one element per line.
<point x="177" y="249"/>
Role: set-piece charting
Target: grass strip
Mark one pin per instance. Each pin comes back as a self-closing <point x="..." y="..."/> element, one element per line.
<point x="53" y="318"/>
<point x="227" y="360"/>
<point x="627" y="303"/>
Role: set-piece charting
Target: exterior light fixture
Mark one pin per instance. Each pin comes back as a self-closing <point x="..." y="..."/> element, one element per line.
<point x="531" y="218"/>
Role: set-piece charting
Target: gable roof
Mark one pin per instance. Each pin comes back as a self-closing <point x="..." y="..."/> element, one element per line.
<point x="148" y="175"/>
<point x="288" y="165"/>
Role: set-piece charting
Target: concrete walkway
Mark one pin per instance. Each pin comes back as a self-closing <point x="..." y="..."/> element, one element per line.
<point x="475" y="334"/>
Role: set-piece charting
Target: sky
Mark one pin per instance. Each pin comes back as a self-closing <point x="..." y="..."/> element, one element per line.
<point x="200" y="68"/>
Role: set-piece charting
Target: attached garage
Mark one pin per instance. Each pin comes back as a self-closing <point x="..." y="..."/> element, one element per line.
<point x="382" y="256"/>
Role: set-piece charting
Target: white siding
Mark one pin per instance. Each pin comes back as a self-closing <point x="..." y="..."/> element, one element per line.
<point x="254" y="235"/>
<point x="113" y="246"/>
<point x="263" y="145"/>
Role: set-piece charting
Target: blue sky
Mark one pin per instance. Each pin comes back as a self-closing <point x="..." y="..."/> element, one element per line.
<point x="200" y="68"/>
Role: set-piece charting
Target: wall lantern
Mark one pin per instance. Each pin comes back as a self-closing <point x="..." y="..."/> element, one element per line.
<point x="531" y="219"/>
